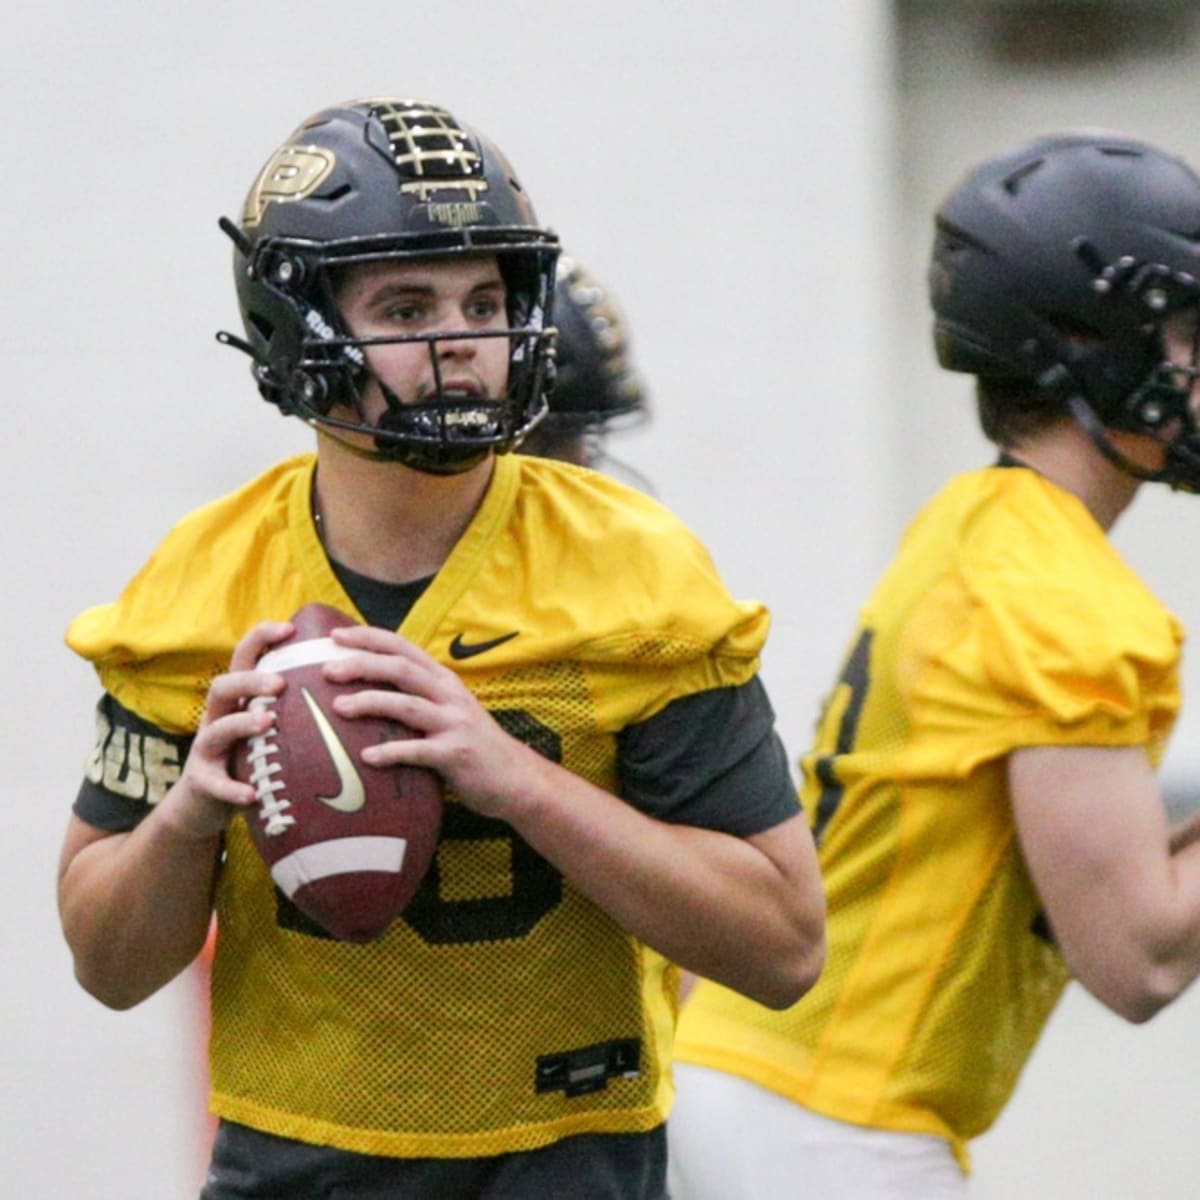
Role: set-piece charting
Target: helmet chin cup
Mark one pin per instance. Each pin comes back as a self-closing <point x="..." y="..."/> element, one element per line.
<point x="396" y="441"/>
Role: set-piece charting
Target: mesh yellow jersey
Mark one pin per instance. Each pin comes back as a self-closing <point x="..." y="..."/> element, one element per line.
<point x="504" y="1010"/>
<point x="1006" y="620"/>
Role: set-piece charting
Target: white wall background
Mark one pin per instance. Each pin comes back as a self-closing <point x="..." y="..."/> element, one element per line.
<point x="1104" y="1110"/>
<point x="753" y="181"/>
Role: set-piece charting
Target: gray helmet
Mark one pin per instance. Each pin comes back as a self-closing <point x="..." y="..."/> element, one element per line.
<point x="388" y="179"/>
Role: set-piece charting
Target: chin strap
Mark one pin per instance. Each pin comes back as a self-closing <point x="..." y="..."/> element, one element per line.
<point x="1082" y="412"/>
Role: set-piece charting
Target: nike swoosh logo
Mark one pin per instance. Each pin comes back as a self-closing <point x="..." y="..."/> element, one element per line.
<point x="351" y="793"/>
<point x="460" y="649"/>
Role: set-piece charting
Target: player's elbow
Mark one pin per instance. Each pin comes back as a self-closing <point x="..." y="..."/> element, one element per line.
<point x="792" y="950"/>
<point x="1137" y="1005"/>
<point x="118" y="981"/>
<point x="1141" y="1012"/>
<point x="1140" y="990"/>
<point x="795" y="983"/>
<point x="112" y="993"/>
<point x="794" y="970"/>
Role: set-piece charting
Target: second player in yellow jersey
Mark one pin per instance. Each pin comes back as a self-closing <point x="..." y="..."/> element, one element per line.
<point x="982" y="786"/>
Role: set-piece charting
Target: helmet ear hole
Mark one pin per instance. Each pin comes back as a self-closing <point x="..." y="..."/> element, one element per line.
<point x="264" y="328"/>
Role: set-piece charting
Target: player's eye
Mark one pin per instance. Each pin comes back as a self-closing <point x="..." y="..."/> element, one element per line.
<point x="403" y="312"/>
<point x="484" y="307"/>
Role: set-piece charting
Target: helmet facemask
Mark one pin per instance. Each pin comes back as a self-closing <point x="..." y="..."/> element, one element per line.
<point x="444" y="433"/>
<point x="1131" y="379"/>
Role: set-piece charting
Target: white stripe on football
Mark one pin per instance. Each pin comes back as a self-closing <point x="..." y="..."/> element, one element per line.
<point x="341" y="856"/>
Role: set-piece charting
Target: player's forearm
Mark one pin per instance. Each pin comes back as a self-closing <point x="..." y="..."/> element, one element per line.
<point x="1141" y="952"/>
<point x="136" y="908"/>
<point x="1123" y="904"/>
<point x="746" y="913"/>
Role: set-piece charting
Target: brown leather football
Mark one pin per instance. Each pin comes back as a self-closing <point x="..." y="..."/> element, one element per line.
<point x="346" y="842"/>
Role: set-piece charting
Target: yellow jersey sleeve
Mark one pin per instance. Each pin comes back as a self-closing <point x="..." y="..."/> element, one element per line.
<point x="1040" y="635"/>
<point x="174" y="626"/>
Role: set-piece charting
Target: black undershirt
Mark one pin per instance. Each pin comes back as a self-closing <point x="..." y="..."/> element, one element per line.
<point x="383" y="604"/>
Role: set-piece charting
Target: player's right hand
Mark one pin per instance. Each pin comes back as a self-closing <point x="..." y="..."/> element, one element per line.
<point x="206" y="795"/>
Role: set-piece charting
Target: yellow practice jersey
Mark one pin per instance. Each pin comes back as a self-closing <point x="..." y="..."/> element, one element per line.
<point x="503" y="1010"/>
<point x="1007" y="619"/>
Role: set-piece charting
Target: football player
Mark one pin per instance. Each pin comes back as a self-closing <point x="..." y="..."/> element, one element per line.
<point x="618" y="799"/>
<point x="982" y="786"/>
<point x="596" y="392"/>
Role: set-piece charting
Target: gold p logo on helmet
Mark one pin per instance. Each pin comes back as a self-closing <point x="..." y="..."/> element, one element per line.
<point x="292" y="173"/>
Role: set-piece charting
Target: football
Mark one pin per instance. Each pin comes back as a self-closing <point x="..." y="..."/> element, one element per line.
<point x="346" y="842"/>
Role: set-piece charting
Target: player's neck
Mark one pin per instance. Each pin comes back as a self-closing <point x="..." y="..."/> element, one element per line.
<point x="387" y="521"/>
<point x="1066" y="456"/>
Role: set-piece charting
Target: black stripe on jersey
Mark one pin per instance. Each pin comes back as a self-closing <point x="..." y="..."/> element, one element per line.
<point x="131" y="766"/>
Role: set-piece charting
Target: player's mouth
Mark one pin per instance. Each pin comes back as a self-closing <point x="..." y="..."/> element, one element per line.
<point x="456" y="389"/>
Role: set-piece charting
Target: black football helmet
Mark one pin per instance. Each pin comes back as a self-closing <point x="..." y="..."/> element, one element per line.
<point x="375" y="180"/>
<point x="595" y="383"/>
<point x="1057" y="264"/>
<point x="596" y="388"/>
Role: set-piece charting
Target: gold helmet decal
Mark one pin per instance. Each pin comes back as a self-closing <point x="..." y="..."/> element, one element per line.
<point x="434" y="153"/>
<point x="292" y="173"/>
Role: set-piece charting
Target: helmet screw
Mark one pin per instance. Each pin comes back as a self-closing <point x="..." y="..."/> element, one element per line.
<point x="286" y="271"/>
<point x="1156" y="299"/>
<point x="1152" y="412"/>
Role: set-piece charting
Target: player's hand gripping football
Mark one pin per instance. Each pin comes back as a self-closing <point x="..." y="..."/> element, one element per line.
<point x="206" y="795"/>
<point x="462" y="742"/>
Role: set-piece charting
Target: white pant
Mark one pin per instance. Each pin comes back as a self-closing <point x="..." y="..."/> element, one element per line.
<point x="733" y="1140"/>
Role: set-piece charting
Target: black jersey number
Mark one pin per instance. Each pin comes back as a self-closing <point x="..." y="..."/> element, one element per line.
<point x="856" y="677"/>
<point x="536" y="886"/>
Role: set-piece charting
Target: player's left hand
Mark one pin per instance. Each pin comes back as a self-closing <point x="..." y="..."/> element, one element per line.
<point x="483" y="764"/>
